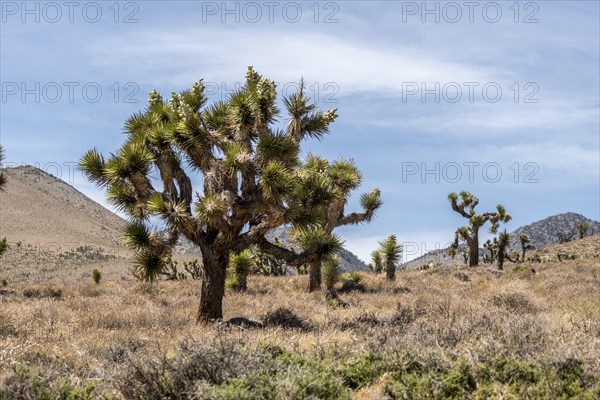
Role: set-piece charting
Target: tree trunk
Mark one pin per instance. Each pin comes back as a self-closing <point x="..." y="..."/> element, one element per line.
<point x="390" y="271"/>
<point x="474" y="249"/>
<point x="501" y="259"/>
<point x="314" y="276"/>
<point x="523" y="249"/>
<point x="213" y="286"/>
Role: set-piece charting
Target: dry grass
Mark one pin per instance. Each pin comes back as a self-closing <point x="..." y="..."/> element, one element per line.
<point x="88" y="333"/>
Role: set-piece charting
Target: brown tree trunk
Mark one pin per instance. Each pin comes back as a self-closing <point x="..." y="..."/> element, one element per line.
<point x="213" y="286"/>
<point x="474" y="249"/>
<point x="314" y="276"/>
<point x="390" y="271"/>
<point x="501" y="259"/>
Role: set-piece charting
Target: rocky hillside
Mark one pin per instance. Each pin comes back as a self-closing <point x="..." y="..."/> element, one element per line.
<point x="545" y="232"/>
<point x="541" y="233"/>
<point x="55" y="232"/>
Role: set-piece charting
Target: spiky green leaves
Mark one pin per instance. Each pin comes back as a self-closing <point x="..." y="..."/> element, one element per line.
<point x="237" y="158"/>
<point x="133" y="158"/>
<point x="344" y="176"/>
<point x="331" y="272"/>
<point x="371" y="201"/>
<point x="92" y="165"/>
<point x="241" y="263"/>
<point x="137" y="236"/>
<point x="304" y="120"/>
<point x="391" y="251"/>
<point x="276" y="181"/>
<point x="316" y="241"/>
<point x="211" y="209"/>
<point x="278" y="147"/>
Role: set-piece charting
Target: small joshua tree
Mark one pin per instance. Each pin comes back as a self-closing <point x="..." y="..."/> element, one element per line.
<point x="503" y="244"/>
<point x="241" y="264"/>
<point x="377" y="261"/>
<point x="96" y="276"/>
<point x="314" y="240"/>
<point x="391" y="252"/>
<point x="525" y="245"/>
<point x="582" y="228"/>
<point x="464" y="204"/>
<point x="331" y="273"/>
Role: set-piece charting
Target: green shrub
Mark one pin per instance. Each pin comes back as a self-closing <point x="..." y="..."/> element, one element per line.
<point x="4" y="282"/>
<point x="25" y="383"/>
<point x="96" y="276"/>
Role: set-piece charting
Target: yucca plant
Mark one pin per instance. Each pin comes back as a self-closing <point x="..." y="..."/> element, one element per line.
<point x="96" y="276"/>
<point x="377" y="261"/>
<point x="391" y="252"/>
<point x="464" y="204"/>
<point x="331" y="273"/>
<point x="253" y="179"/>
<point x="525" y="245"/>
<point x="240" y="265"/>
<point x="582" y="229"/>
<point x="321" y="245"/>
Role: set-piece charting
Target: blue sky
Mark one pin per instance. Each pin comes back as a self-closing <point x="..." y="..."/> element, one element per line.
<point x="497" y="98"/>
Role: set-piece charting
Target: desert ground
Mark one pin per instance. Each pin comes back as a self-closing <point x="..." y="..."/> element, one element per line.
<point x="530" y="331"/>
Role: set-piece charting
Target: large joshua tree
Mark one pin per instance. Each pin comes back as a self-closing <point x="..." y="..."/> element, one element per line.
<point x="464" y="204"/>
<point x="252" y="179"/>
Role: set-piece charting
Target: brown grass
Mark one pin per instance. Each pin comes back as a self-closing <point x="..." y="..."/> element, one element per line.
<point x="89" y="331"/>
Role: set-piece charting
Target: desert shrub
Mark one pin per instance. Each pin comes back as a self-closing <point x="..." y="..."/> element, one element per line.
<point x="524" y="270"/>
<point x="407" y="314"/>
<point x="3" y="283"/>
<point x="96" y="276"/>
<point x="8" y="327"/>
<point x="28" y="384"/>
<point x="359" y="373"/>
<point x="46" y="293"/>
<point x="515" y="302"/>
<point x="193" y="363"/>
<point x="285" y="318"/>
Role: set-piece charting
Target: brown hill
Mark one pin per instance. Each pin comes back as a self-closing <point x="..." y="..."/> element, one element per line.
<point x="50" y="225"/>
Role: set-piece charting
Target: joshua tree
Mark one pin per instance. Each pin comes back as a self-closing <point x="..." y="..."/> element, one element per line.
<point x="525" y="245"/>
<point x="470" y="234"/>
<point x="342" y="177"/>
<point x="3" y="245"/>
<point x="320" y="246"/>
<point x="503" y="244"/>
<point x="252" y="178"/>
<point x="391" y="252"/>
<point x="377" y="261"/>
<point x="582" y="228"/>
<point x="490" y="248"/>
<point x="565" y="237"/>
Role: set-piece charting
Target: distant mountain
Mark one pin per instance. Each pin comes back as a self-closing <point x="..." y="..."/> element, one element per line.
<point x="545" y="232"/>
<point x="541" y="233"/>
<point x="348" y="260"/>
